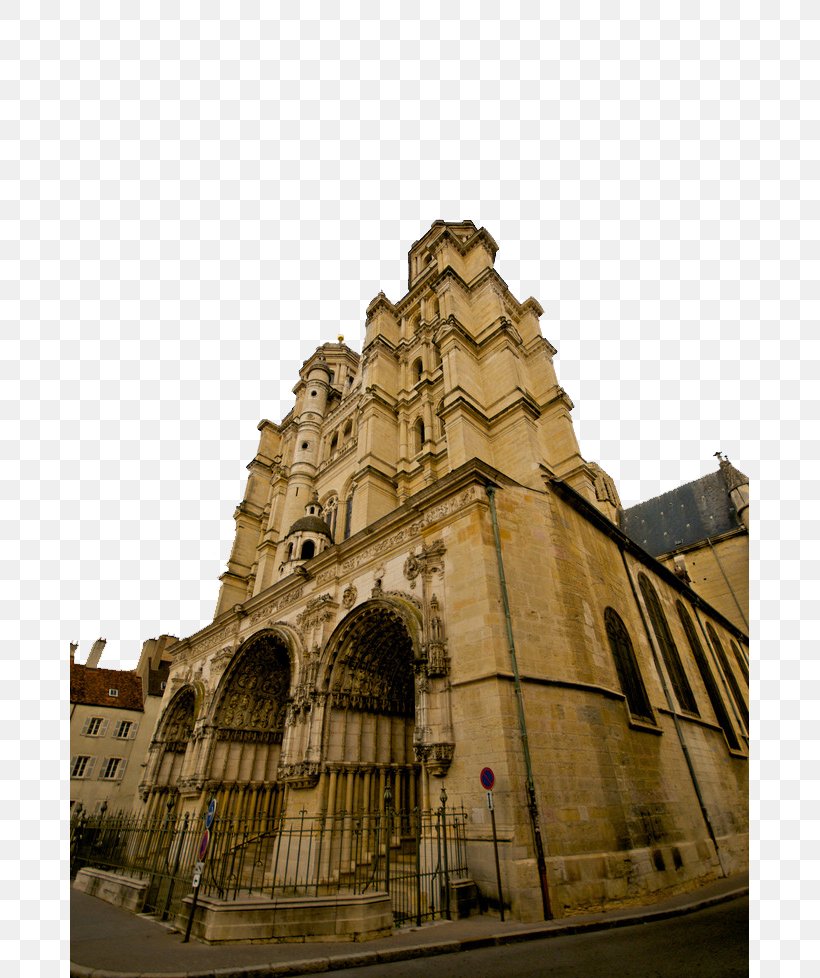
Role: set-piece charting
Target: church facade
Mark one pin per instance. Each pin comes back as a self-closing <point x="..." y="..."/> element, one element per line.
<point x="428" y="579"/>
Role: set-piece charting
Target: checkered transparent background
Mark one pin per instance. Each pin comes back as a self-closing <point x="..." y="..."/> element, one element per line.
<point x="192" y="200"/>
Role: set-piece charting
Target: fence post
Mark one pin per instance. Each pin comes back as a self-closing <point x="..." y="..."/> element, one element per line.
<point x="443" y="797"/>
<point x="417" y="826"/>
<point x="388" y="798"/>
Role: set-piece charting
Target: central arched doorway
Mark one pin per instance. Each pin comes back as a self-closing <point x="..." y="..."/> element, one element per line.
<point x="248" y="726"/>
<point x="371" y="716"/>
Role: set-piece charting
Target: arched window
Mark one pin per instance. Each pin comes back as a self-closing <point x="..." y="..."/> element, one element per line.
<point x="418" y="428"/>
<point x="290" y="551"/>
<point x="669" y="651"/>
<point x="626" y="665"/>
<point x="731" y="679"/>
<point x="418" y="370"/>
<point x="741" y="662"/>
<point x="348" y="432"/>
<point x="707" y="676"/>
<point x="348" y="514"/>
<point x="334" y="442"/>
<point x="308" y="550"/>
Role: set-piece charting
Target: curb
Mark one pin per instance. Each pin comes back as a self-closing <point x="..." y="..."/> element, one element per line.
<point x="363" y="959"/>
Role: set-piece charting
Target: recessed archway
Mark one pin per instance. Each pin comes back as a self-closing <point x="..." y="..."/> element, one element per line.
<point x="249" y="714"/>
<point x="371" y="708"/>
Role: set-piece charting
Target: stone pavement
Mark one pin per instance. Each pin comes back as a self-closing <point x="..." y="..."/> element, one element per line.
<point x="108" y="942"/>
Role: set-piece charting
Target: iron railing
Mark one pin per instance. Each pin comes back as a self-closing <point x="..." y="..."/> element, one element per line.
<point x="414" y="856"/>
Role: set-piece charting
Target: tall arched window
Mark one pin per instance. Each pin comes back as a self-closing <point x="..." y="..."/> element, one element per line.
<point x="418" y="428"/>
<point x="308" y="550"/>
<point x="626" y="665"/>
<point x="669" y="651"/>
<point x="707" y="676"/>
<point x="731" y="679"/>
<point x="348" y="513"/>
<point x="418" y="370"/>
<point x="348" y="432"/>
<point x="334" y="442"/>
<point x="741" y="662"/>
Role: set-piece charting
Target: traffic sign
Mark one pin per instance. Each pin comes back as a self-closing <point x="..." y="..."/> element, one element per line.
<point x="203" y="845"/>
<point x="209" y="815"/>
<point x="197" y="874"/>
<point x="487" y="778"/>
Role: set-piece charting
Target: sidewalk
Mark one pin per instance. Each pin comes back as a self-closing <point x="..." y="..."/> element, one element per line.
<point x="108" y="942"/>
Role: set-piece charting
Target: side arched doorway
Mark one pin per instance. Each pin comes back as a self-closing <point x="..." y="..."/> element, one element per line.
<point x="371" y="710"/>
<point x="248" y="723"/>
<point x="167" y="753"/>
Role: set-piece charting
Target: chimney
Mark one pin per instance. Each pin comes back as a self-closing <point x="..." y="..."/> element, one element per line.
<point x="73" y="647"/>
<point x="93" y="659"/>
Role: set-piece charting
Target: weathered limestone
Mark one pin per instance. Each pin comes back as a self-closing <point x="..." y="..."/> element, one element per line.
<point x="256" y="920"/>
<point x="123" y="891"/>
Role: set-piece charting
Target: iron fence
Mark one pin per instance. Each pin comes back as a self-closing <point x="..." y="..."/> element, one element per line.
<point x="414" y="856"/>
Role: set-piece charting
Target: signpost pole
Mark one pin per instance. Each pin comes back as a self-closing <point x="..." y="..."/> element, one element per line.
<point x="487" y="779"/>
<point x="495" y="851"/>
<point x="203" y="850"/>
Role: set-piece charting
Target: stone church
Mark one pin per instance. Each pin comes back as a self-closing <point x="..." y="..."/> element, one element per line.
<point x="428" y="579"/>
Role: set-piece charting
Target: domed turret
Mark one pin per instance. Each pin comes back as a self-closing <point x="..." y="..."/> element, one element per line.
<point x="306" y="538"/>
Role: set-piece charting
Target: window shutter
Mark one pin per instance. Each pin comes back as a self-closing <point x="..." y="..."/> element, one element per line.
<point x="121" y="769"/>
<point x="86" y="725"/>
<point x="89" y="768"/>
<point x="103" y="728"/>
<point x="73" y="762"/>
<point x="133" y="731"/>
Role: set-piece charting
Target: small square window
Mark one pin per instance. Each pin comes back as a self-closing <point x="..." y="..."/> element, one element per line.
<point x="113" y="692"/>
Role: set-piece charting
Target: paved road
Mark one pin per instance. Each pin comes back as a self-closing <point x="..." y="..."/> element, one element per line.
<point x="711" y="943"/>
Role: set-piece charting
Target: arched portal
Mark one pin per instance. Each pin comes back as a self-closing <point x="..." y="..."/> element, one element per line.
<point x="168" y="750"/>
<point x="248" y="724"/>
<point x="371" y="713"/>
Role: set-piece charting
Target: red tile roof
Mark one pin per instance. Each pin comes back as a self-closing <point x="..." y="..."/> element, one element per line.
<point x="90" y="686"/>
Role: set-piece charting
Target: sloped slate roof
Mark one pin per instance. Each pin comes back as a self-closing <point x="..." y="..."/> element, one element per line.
<point x="90" y="687"/>
<point x="682" y="517"/>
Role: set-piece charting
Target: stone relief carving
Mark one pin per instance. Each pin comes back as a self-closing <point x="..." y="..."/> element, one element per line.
<point x="438" y="757"/>
<point x="349" y="596"/>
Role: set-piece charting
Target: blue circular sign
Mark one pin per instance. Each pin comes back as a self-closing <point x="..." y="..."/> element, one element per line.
<point x="487" y="778"/>
<point x="209" y="815"/>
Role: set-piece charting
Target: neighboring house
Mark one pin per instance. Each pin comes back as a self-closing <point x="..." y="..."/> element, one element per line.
<point x="113" y="713"/>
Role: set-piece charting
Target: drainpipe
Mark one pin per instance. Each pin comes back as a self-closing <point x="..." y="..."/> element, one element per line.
<point x="678" y="729"/>
<point x="532" y="802"/>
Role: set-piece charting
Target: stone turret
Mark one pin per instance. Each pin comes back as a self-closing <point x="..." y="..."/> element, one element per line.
<point x="737" y="485"/>
<point x="307" y="538"/>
